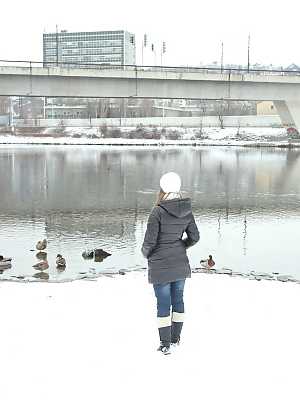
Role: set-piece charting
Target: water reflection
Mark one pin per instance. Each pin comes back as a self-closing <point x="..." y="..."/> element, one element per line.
<point x="41" y="256"/>
<point x="5" y="268"/>
<point x="246" y="202"/>
<point x="41" y="275"/>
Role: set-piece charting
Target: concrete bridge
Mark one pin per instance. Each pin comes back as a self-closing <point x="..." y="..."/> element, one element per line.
<point x="282" y="87"/>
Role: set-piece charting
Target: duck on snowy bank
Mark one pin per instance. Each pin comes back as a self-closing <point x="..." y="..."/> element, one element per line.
<point x="208" y="263"/>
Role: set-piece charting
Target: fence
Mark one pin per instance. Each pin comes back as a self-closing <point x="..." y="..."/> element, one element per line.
<point x="152" y="68"/>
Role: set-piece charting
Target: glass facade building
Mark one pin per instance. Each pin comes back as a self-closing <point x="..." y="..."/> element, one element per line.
<point x="104" y="47"/>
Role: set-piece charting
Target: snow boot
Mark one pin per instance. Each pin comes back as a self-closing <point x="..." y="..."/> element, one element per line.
<point x="164" y="349"/>
<point x="164" y="330"/>
<point x="177" y="324"/>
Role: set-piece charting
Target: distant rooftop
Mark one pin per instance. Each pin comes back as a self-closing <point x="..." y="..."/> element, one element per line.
<point x="84" y="32"/>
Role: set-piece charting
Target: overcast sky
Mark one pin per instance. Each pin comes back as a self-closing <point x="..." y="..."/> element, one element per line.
<point x="193" y="30"/>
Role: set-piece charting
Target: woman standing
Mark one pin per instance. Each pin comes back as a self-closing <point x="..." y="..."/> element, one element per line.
<point x="168" y="265"/>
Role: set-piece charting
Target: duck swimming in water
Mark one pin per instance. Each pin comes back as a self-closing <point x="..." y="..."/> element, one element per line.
<point x="5" y="258"/>
<point x="60" y="262"/>
<point x="41" y="244"/>
<point x="88" y="254"/>
<point x="209" y="263"/>
<point x="5" y="262"/>
<point x="41" y="266"/>
<point x="101" y="253"/>
<point x="97" y="253"/>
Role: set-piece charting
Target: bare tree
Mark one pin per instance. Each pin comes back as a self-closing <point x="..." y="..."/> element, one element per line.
<point x="220" y="113"/>
<point x="238" y="127"/>
<point x="103" y="108"/>
<point x="203" y="107"/>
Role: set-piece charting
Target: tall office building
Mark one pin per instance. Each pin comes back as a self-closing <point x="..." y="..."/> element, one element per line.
<point x="104" y="47"/>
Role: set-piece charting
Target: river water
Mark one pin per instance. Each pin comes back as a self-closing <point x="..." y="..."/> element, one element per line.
<point x="246" y="203"/>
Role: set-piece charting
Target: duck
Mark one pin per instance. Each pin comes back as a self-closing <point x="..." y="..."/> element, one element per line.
<point x="208" y="263"/>
<point x="5" y="261"/>
<point x="41" y="244"/>
<point x="88" y="254"/>
<point x="60" y="262"/>
<point x="99" y="254"/>
<point x="41" y="266"/>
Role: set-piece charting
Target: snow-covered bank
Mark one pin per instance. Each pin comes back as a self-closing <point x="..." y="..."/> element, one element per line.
<point x="97" y="340"/>
<point x="256" y="137"/>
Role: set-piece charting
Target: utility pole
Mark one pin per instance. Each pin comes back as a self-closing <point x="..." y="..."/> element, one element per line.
<point x="248" y="67"/>
<point x="154" y="52"/>
<point x="222" y="56"/>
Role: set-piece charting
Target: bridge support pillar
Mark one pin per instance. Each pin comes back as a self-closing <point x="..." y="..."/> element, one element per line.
<point x="289" y="112"/>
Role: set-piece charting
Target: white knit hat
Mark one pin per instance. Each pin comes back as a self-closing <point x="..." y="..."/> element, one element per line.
<point x="170" y="182"/>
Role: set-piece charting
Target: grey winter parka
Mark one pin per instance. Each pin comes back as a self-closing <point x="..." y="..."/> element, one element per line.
<point x="163" y="244"/>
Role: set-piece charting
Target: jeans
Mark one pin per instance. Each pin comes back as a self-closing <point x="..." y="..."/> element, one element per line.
<point x="168" y="294"/>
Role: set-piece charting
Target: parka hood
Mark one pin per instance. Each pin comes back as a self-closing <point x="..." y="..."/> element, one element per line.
<point x="177" y="207"/>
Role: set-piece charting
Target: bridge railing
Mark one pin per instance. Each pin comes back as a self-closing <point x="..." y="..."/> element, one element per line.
<point x="150" y="68"/>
